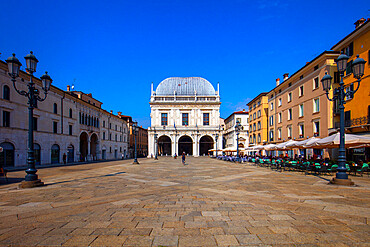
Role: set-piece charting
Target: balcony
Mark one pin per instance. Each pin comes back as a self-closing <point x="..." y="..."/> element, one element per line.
<point x="361" y="121"/>
<point x="355" y="122"/>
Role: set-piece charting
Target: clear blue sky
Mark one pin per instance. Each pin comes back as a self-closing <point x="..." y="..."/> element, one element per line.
<point x="115" y="49"/>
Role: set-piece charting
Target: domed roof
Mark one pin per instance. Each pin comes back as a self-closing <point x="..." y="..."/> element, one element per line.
<point x="185" y="86"/>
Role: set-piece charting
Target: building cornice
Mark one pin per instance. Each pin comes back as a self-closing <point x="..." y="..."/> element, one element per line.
<point x="351" y="36"/>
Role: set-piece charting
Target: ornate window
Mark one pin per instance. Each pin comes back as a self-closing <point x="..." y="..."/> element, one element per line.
<point x="185" y="119"/>
<point x="205" y="118"/>
<point x="164" y="119"/>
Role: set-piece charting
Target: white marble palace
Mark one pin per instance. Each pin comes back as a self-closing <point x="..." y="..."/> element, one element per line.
<point x="185" y="116"/>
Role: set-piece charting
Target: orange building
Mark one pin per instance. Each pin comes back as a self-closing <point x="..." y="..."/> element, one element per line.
<point x="357" y="107"/>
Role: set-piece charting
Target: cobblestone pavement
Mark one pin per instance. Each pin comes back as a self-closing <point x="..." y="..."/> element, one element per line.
<point x="163" y="203"/>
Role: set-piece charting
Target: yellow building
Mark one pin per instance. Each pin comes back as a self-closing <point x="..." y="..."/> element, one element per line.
<point x="258" y="115"/>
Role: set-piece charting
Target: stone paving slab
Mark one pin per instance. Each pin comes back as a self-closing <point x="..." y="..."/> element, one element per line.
<point x="162" y="203"/>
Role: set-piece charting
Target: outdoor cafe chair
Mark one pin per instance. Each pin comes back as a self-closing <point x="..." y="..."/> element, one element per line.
<point x="323" y="170"/>
<point x="364" y="169"/>
<point x="333" y="169"/>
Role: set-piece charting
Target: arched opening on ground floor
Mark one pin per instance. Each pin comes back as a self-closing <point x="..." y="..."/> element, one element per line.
<point x="55" y="154"/>
<point x="205" y="144"/>
<point x="185" y="145"/>
<point x="7" y="154"/>
<point x="164" y="145"/>
<point x="70" y="153"/>
<point x="93" y="146"/>
<point x="83" y="146"/>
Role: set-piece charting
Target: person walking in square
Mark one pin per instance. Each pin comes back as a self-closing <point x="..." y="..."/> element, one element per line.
<point x="64" y="158"/>
<point x="183" y="156"/>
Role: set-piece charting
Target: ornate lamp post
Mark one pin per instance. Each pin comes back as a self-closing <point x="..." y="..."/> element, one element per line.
<point x="217" y="135"/>
<point x="238" y="128"/>
<point x="340" y="94"/>
<point x="31" y="179"/>
<point x="135" y="130"/>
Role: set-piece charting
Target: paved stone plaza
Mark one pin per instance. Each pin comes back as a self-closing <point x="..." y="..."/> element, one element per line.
<point x="163" y="203"/>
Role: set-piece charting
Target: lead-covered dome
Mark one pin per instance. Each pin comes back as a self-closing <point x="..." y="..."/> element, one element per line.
<point x="185" y="86"/>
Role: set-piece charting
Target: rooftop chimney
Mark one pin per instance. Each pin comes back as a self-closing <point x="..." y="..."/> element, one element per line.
<point x="111" y="111"/>
<point x="286" y="76"/>
<point x="68" y="88"/>
<point x="89" y="94"/>
<point x="277" y="81"/>
<point x="119" y="113"/>
<point x="359" y="23"/>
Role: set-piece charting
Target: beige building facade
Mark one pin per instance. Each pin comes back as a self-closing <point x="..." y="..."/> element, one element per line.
<point x="298" y="107"/>
<point x="67" y="122"/>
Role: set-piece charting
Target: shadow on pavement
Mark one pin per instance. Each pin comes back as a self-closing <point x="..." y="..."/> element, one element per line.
<point x="4" y="181"/>
<point x="81" y="179"/>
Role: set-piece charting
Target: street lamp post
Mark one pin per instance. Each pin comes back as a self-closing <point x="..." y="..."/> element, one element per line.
<point x="156" y="145"/>
<point x="238" y="127"/>
<point x="218" y="135"/>
<point x="135" y="129"/>
<point x="340" y="94"/>
<point x="31" y="179"/>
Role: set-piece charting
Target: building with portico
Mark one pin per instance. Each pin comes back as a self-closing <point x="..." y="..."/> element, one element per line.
<point x="185" y="117"/>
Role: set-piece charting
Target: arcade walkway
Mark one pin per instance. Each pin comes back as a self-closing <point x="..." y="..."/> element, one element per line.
<point x="162" y="203"/>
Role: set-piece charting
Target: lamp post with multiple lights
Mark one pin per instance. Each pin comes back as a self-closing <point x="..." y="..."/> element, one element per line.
<point x="238" y="128"/>
<point x="135" y="130"/>
<point x="217" y="135"/>
<point x="339" y="95"/>
<point x="31" y="179"/>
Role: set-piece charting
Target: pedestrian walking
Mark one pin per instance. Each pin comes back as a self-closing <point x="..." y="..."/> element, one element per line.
<point x="64" y="158"/>
<point x="183" y="156"/>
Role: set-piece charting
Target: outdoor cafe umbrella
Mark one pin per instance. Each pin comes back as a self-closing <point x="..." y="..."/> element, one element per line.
<point x="302" y="144"/>
<point x="333" y="141"/>
<point x="283" y="146"/>
<point x="258" y="147"/>
<point x="269" y="146"/>
<point x="228" y="150"/>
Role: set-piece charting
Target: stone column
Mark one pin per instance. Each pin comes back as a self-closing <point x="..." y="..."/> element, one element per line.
<point x="196" y="146"/>
<point x="174" y="145"/>
<point x="150" y="144"/>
